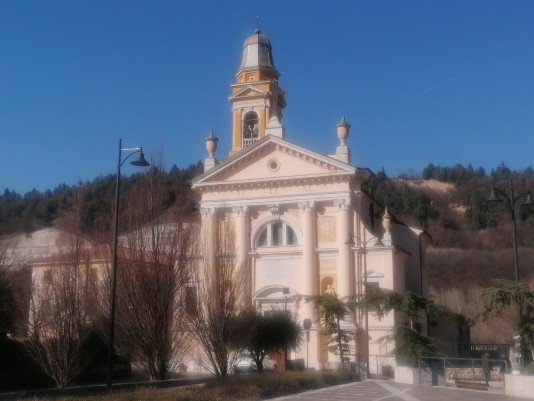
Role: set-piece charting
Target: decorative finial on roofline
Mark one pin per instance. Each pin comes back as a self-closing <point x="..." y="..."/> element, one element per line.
<point x="343" y="130"/>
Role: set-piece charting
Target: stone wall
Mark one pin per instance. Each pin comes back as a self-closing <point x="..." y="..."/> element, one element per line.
<point x="470" y="374"/>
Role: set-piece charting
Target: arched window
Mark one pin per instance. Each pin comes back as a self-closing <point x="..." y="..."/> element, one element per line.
<point x="277" y="233"/>
<point x="250" y="128"/>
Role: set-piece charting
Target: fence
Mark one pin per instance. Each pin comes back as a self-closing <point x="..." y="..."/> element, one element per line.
<point x="375" y="366"/>
<point x="473" y="373"/>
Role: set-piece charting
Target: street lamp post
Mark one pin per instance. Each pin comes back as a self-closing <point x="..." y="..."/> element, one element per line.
<point x="511" y="201"/>
<point x="307" y="323"/>
<point x="140" y="162"/>
<point x="285" y="291"/>
<point x="363" y="244"/>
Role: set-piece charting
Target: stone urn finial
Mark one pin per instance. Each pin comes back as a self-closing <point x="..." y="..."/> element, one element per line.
<point x="343" y="130"/>
<point x="211" y="144"/>
<point x="386" y="220"/>
<point x="386" y="223"/>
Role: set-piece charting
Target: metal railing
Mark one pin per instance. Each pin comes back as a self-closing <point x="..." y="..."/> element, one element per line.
<point x="476" y="374"/>
<point x="249" y="141"/>
<point x="473" y="373"/>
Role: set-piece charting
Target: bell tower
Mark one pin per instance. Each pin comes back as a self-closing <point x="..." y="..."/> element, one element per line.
<point x="257" y="100"/>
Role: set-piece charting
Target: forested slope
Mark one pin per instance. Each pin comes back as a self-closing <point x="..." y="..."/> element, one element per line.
<point x="472" y="240"/>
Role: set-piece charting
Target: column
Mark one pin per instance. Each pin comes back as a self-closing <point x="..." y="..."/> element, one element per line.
<point x="242" y="245"/>
<point x="344" y="266"/>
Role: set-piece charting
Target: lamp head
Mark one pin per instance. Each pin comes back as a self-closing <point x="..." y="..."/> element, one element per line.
<point x="493" y="197"/>
<point x="379" y="242"/>
<point x="350" y="241"/>
<point x="140" y="160"/>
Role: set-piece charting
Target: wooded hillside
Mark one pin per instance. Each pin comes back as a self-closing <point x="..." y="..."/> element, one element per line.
<point x="91" y="201"/>
<point x="472" y="240"/>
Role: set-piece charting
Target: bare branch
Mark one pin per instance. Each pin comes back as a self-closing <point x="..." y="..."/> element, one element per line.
<point x="219" y="302"/>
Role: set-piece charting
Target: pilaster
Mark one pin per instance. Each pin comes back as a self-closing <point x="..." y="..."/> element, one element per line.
<point x="307" y="210"/>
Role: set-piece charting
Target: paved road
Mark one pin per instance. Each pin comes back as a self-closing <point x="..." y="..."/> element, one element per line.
<point x="379" y="390"/>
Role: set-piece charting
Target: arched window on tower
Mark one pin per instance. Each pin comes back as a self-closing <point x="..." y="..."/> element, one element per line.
<point x="250" y="128"/>
<point x="277" y="233"/>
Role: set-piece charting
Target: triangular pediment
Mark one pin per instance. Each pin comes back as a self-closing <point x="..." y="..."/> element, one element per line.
<point x="372" y="274"/>
<point x="249" y="91"/>
<point x="274" y="159"/>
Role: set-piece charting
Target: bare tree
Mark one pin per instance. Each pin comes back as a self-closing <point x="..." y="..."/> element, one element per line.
<point x="462" y="300"/>
<point x="518" y="296"/>
<point x="220" y="300"/>
<point x="466" y="300"/>
<point x="12" y="291"/>
<point x="59" y="320"/>
<point x="153" y="270"/>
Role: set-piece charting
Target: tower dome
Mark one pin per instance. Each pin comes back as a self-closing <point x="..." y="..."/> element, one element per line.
<point x="257" y="100"/>
<point x="257" y="53"/>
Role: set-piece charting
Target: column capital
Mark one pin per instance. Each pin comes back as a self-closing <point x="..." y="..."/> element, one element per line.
<point x="207" y="212"/>
<point x="342" y="204"/>
<point x="241" y="211"/>
<point x="307" y="206"/>
<point x="275" y="211"/>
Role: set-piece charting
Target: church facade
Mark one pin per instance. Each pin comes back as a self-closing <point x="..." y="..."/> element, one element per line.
<point x="303" y="221"/>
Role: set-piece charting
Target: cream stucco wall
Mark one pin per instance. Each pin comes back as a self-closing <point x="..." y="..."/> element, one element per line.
<point x="321" y="201"/>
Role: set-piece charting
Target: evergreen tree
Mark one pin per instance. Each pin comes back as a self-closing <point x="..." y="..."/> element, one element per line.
<point x="262" y="334"/>
<point x="410" y="344"/>
<point x="332" y="311"/>
<point x="510" y="295"/>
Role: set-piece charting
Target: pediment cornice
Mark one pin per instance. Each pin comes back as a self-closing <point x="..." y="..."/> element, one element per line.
<point x="248" y="92"/>
<point x="276" y="182"/>
<point x="267" y="145"/>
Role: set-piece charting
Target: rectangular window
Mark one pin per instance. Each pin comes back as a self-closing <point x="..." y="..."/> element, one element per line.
<point x="92" y="276"/>
<point x="191" y="300"/>
<point x="47" y="276"/>
<point x="373" y="284"/>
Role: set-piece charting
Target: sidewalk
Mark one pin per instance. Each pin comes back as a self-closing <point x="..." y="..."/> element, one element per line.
<point x="380" y="390"/>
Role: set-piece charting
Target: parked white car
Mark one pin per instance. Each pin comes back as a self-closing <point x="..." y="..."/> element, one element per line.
<point x="245" y="364"/>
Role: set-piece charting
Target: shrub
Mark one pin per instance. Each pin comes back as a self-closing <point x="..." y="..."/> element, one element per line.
<point x="251" y="387"/>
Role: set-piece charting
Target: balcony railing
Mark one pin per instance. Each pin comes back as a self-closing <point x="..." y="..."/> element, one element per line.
<point x="249" y="141"/>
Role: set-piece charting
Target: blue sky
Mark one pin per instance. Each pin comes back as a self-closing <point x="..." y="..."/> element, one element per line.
<point x="419" y="81"/>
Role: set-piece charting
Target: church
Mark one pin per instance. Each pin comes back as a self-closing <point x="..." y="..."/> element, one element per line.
<point x="304" y="223"/>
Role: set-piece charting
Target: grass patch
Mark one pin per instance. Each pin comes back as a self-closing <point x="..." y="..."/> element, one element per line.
<point x="251" y="387"/>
